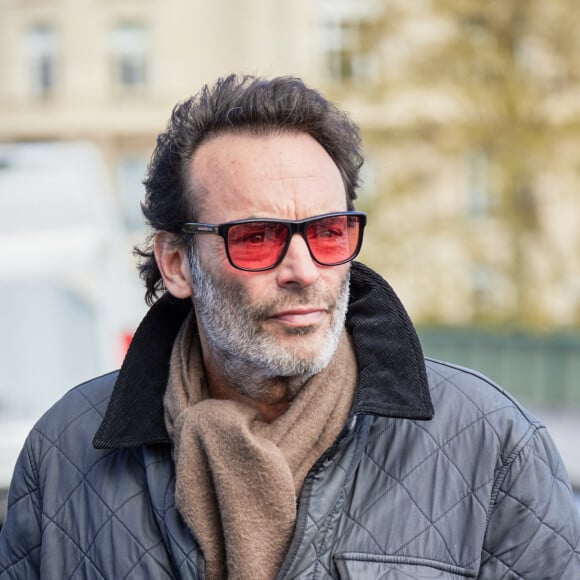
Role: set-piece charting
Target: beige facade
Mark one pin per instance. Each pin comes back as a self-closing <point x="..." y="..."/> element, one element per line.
<point x="111" y="71"/>
<point x="116" y="67"/>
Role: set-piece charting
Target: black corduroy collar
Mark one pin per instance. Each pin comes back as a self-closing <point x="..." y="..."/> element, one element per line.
<point x="392" y="375"/>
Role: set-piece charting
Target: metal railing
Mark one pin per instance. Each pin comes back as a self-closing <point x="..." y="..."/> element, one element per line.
<point x="541" y="370"/>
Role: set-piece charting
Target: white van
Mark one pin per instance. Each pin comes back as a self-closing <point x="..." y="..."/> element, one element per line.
<point x="69" y="292"/>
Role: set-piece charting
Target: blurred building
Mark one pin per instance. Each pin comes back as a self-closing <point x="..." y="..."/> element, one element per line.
<point x="110" y="72"/>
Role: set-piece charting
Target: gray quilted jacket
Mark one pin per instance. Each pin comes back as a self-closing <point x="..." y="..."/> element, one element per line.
<point x="437" y="474"/>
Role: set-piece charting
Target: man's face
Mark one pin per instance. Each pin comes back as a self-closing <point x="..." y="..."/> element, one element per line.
<point x="285" y="321"/>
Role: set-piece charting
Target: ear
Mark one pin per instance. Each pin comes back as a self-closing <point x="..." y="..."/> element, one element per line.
<point x="173" y="264"/>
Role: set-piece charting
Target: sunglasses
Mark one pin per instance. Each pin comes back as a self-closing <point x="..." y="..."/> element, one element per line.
<point x="255" y="245"/>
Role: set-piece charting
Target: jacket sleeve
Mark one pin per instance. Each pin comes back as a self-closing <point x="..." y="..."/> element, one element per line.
<point x="20" y="537"/>
<point x="534" y="526"/>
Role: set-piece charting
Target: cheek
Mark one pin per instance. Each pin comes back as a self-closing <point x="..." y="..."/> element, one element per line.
<point x="213" y="257"/>
<point x="248" y="288"/>
<point x="253" y="289"/>
<point x="258" y="286"/>
<point x="334" y="277"/>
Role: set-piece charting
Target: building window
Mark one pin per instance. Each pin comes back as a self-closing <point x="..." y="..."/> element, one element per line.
<point x="41" y="45"/>
<point x="345" y="27"/>
<point x="129" y="54"/>
<point x="341" y="43"/>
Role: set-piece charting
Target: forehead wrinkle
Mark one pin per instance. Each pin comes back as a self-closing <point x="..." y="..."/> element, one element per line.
<point x="272" y="180"/>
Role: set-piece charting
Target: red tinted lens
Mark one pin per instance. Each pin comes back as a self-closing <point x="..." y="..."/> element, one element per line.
<point x="333" y="239"/>
<point x="256" y="245"/>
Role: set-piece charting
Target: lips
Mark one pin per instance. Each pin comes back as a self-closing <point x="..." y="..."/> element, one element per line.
<point x="300" y="316"/>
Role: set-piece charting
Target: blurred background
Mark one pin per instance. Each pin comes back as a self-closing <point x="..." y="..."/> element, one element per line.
<point x="470" y="113"/>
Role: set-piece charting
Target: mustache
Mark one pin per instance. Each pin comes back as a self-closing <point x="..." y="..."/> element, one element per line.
<point x="291" y="298"/>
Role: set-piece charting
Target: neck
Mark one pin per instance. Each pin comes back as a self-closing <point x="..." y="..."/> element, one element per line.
<point x="238" y="381"/>
<point x="268" y="408"/>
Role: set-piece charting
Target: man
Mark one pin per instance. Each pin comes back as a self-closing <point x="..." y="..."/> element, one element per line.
<point x="274" y="416"/>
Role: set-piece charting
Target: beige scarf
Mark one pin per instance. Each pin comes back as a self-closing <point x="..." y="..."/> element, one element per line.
<point x="237" y="477"/>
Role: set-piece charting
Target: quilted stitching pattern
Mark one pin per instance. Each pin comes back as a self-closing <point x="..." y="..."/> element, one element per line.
<point x="426" y="491"/>
<point x="94" y="530"/>
<point x="398" y="499"/>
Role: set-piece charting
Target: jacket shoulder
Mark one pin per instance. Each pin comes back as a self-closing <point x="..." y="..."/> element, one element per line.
<point x="71" y="505"/>
<point x="530" y="503"/>
<point x="83" y="406"/>
<point x="480" y="417"/>
<point x="452" y="384"/>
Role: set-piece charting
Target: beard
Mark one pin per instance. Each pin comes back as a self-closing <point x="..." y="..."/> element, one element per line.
<point x="250" y="357"/>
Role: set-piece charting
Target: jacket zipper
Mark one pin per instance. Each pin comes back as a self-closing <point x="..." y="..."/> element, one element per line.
<point x="303" y="500"/>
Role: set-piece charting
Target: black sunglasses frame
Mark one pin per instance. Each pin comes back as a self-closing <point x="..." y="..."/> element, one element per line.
<point x="294" y="226"/>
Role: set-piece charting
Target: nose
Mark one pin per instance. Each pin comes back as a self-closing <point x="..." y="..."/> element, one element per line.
<point x="297" y="267"/>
